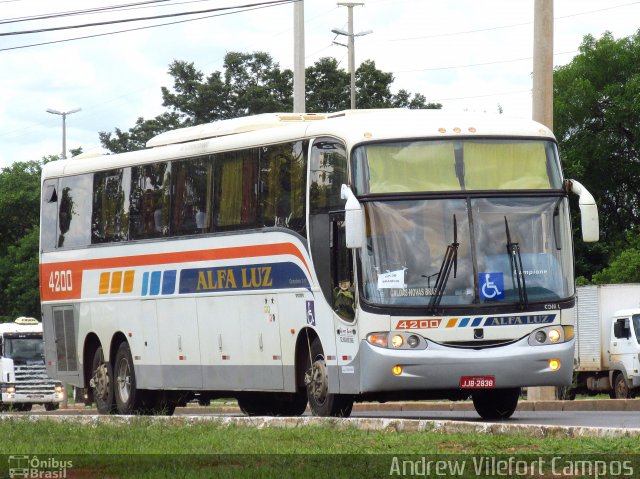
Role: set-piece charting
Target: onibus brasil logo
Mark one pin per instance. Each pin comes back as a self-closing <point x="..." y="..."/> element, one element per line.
<point x="34" y="467"/>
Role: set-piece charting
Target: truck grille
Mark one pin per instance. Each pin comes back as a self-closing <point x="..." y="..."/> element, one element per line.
<point x="33" y="380"/>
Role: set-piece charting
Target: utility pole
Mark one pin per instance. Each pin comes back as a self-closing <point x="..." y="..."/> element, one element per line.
<point x="298" y="58"/>
<point x="63" y="114"/>
<point x="350" y="46"/>
<point x="543" y="108"/>
<point x="543" y="62"/>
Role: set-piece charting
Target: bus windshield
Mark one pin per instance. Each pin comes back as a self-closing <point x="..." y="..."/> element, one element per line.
<point x="24" y="349"/>
<point x="463" y="247"/>
<point x="460" y="165"/>
<point x="467" y="251"/>
<point x="636" y="326"/>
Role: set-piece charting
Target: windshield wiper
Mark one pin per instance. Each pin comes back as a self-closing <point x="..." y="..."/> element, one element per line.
<point x="450" y="260"/>
<point x="517" y="271"/>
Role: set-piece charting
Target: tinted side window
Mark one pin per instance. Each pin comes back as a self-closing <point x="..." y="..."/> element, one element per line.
<point x="328" y="173"/>
<point x="235" y="189"/>
<point x="74" y="214"/>
<point x="192" y="196"/>
<point x="283" y="186"/>
<point x="48" y="215"/>
<point x="150" y="200"/>
<point x="110" y="219"/>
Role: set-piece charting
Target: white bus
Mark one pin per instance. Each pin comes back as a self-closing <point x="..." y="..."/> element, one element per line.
<point x="287" y="259"/>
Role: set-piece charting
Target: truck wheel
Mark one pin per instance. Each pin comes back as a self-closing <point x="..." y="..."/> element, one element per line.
<point x="496" y="404"/>
<point x="102" y="383"/>
<point x="128" y="397"/>
<point x="620" y="387"/>
<point x="316" y="378"/>
<point x="23" y="407"/>
<point x="50" y="406"/>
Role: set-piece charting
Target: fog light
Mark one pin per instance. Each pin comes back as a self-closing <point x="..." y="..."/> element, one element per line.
<point x="554" y="364"/>
<point x="397" y="341"/>
<point x="541" y="337"/>
<point x="396" y="370"/>
<point x="413" y="341"/>
<point x="554" y="335"/>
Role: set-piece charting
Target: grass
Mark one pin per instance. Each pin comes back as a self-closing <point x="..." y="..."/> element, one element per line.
<point x="175" y="449"/>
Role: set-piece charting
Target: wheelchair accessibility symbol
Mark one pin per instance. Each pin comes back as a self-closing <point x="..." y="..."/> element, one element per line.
<point x="491" y="285"/>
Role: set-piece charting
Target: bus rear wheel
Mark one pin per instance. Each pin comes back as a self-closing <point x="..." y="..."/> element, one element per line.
<point x="129" y="399"/>
<point x="102" y="383"/>
<point x="496" y="404"/>
<point x="316" y="379"/>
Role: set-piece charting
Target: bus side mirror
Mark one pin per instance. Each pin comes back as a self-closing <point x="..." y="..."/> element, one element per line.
<point x="353" y="219"/>
<point x="588" y="211"/>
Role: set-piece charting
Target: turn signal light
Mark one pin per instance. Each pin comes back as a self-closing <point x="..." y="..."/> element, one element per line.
<point x="396" y="370"/>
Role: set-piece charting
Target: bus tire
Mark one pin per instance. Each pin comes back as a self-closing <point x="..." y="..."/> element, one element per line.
<point x="102" y="383"/>
<point x="128" y="397"/>
<point x="23" y="407"/>
<point x="496" y="404"/>
<point x="316" y="379"/>
<point x="51" y="406"/>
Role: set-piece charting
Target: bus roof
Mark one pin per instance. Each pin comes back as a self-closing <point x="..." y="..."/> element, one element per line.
<point x="352" y="126"/>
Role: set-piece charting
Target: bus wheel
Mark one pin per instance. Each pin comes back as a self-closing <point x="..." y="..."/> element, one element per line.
<point x="127" y="395"/>
<point x="51" y="406"/>
<point x="23" y="407"/>
<point x="316" y="379"/>
<point x="101" y="382"/>
<point x="496" y="403"/>
<point x="258" y="404"/>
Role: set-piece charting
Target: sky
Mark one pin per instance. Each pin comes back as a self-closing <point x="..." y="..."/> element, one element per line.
<point x="468" y="55"/>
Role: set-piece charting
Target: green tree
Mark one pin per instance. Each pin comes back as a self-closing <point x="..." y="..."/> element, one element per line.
<point x="597" y="123"/>
<point x="252" y="83"/>
<point x="19" y="219"/>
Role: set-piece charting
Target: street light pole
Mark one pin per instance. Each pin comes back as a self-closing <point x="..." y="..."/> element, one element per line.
<point x="350" y="46"/>
<point x="63" y="114"/>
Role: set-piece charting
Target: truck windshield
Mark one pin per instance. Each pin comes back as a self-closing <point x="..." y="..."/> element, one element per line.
<point x="25" y="349"/>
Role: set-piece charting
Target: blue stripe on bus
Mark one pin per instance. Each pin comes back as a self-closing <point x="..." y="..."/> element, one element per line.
<point x="155" y="283"/>
<point x="145" y="284"/>
<point x="169" y="282"/>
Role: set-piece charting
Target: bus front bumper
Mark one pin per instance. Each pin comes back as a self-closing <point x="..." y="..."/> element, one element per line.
<point x="441" y="367"/>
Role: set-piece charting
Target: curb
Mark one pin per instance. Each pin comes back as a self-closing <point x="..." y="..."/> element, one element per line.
<point x="530" y="406"/>
<point x="365" y="424"/>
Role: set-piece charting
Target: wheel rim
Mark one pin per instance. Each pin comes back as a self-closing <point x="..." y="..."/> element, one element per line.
<point x="102" y="382"/>
<point x="123" y="378"/>
<point x="621" y="389"/>
<point x="317" y="382"/>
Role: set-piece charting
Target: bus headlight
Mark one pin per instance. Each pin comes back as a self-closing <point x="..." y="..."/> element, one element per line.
<point x="550" y="335"/>
<point x="378" y="339"/>
<point x="396" y="340"/>
<point x="59" y="388"/>
<point x="10" y="389"/>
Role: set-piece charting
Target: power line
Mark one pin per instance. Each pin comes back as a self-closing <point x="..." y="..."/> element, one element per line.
<point x="466" y="32"/>
<point x="259" y="7"/>
<point x="154" y="17"/>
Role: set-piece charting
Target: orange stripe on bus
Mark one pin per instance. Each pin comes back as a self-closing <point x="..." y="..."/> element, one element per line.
<point x="127" y="286"/>
<point x="104" y="283"/>
<point x="116" y="282"/>
<point x="452" y="323"/>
